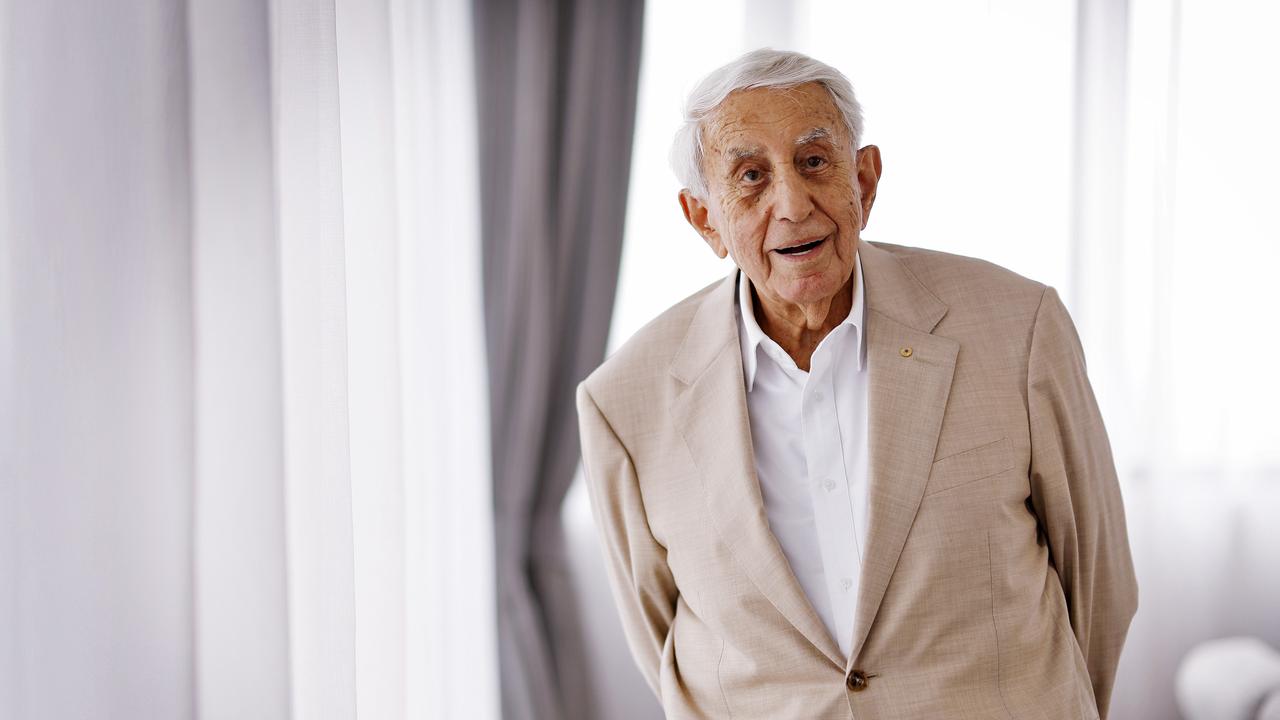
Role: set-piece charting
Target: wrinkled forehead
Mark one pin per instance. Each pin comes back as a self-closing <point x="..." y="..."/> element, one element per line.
<point x="772" y="120"/>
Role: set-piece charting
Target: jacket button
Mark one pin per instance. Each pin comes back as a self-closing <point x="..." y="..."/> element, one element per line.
<point x="857" y="680"/>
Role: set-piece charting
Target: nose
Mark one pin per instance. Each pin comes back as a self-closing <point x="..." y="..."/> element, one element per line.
<point x="791" y="197"/>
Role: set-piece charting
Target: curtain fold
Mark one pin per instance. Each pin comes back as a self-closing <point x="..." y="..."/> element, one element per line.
<point x="239" y="502"/>
<point x="557" y="88"/>
<point x="314" y="307"/>
<point x="453" y="640"/>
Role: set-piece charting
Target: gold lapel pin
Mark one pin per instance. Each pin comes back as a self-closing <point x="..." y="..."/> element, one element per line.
<point x="905" y="352"/>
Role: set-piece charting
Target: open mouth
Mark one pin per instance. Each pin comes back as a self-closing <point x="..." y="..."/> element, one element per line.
<point x="801" y="249"/>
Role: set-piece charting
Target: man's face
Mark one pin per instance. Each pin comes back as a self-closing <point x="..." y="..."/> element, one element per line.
<point x="787" y="199"/>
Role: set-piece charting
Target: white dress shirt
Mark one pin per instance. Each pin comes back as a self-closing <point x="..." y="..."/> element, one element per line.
<point x="809" y="434"/>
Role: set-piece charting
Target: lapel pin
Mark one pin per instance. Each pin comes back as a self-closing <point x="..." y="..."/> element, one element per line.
<point x="905" y="352"/>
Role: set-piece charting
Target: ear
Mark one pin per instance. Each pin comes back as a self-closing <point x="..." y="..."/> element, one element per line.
<point x="868" y="179"/>
<point x="698" y="215"/>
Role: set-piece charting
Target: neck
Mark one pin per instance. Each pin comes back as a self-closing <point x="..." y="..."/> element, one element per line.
<point x="798" y="328"/>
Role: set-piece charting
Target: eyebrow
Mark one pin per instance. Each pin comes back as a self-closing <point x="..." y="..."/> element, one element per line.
<point x="818" y="133"/>
<point x="737" y="153"/>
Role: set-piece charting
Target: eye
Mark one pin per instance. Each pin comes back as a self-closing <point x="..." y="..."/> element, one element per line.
<point x="752" y="175"/>
<point x="813" y="162"/>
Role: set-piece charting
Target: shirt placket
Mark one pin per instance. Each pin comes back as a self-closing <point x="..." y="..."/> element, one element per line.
<point x="829" y="491"/>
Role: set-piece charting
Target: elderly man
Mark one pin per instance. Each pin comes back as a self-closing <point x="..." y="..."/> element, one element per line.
<point x="852" y="479"/>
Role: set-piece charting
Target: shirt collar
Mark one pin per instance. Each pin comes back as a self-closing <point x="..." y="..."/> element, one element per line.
<point x="751" y="337"/>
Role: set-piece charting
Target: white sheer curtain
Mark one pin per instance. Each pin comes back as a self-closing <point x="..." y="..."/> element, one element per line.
<point x="243" y="432"/>
<point x="1175" y="295"/>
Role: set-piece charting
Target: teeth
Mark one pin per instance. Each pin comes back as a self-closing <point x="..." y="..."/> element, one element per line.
<point x="799" y="248"/>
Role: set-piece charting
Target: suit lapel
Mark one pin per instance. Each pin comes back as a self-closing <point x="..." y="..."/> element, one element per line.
<point x="711" y="414"/>
<point x="908" y="396"/>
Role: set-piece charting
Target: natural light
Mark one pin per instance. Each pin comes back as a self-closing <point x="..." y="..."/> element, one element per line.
<point x="976" y="147"/>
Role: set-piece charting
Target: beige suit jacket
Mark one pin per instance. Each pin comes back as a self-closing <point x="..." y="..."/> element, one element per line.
<point x="997" y="581"/>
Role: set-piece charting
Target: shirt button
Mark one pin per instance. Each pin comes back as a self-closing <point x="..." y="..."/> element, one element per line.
<point x="846" y="583"/>
<point x="829" y="484"/>
<point x="817" y="397"/>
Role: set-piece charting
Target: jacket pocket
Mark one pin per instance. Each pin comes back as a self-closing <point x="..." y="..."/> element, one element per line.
<point x="972" y="465"/>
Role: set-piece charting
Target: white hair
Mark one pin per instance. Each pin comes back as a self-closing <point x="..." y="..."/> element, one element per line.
<point x="759" y="68"/>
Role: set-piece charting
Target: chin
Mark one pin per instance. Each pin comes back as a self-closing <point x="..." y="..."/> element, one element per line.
<point x="809" y="290"/>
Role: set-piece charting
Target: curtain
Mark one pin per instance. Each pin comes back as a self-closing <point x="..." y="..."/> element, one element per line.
<point x="97" y="392"/>
<point x="557" y="85"/>
<point x="1172" y="286"/>
<point x="243" y="421"/>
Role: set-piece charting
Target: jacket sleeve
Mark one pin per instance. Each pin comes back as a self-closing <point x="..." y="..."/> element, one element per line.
<point x="1076" y="495"/>
<point x="643" y="587"/>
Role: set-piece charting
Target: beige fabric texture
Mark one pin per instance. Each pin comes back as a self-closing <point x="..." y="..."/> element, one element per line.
<point x="997" y="580"/>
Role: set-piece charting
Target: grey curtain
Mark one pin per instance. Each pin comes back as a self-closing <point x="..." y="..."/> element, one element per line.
<point x="557" y="91"/>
